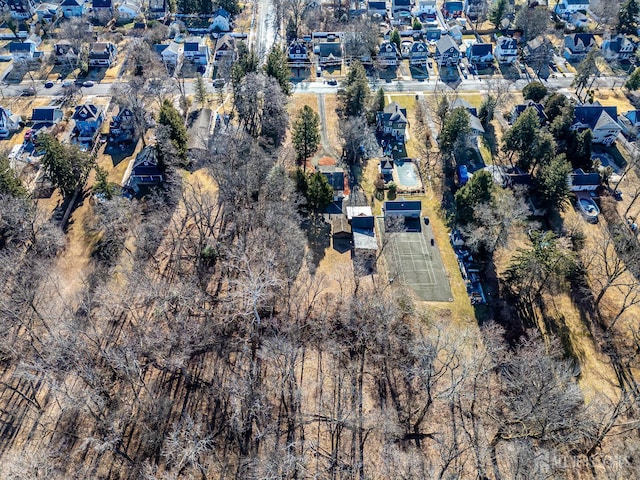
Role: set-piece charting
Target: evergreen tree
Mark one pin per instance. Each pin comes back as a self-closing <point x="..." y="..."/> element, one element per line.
<point x="551" y="183"/>
<point x="247" y="63"/>
<point x="497" y="12"/>
<point x="306" y="133"/>
<point x="319" y="192"/>
<point x="395" y="38"/>
<point x="103" y="186"/>
<point x="627" y="18"/>
<point x="201" y="93"/>
<point x="534" y="91"/>
<point x="529" y="141"/>
<point x="277" y="68"/>
<point x="476" y="190"/>
<point x="633" y="82"/>
<point x="355" y="93"/>
<point x="66" y="165"/>
<point x="9" y="181"/>
<point x="417" y="24"/>
<point x="170" y="117"/>
<point x="455" y="130"/>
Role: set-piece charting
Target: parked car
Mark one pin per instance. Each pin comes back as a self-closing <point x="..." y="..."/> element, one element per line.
<point x="333" y="82"/>
<point x="87" y="84"/>
<point x="202" y="69"/>
<point x="67" y="83"/>
<point x="49" y="84"/>
<point x="28" y="92"/>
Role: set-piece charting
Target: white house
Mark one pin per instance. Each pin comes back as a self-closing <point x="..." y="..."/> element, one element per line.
<point x="22" y="51"/>
<point x="9" y="123"/>
<point x="565" y="7"/>
<point x="425" y="9"/>
<point x="506" y="50"/>
<point x="220" y="21"/>
<point x="73" y="8"/>
<point x="617" y="48"/>
<point x="196" y="50"/>
<point x="600" y="120"/>
<point x="171" y="54"/>
<point x="419" y="53"/>
<point x="388" y="54"/>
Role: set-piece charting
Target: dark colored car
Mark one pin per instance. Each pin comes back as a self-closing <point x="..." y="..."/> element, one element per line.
<point x="202" y="69"/>
<point x="49" y="84"/>
<point x="28" y="92"/>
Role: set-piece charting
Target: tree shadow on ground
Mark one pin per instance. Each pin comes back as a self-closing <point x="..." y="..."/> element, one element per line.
<point x="318" y="233"/>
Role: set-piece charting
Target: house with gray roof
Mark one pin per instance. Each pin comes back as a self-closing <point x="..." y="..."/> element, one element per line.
<point x="336" y="178"/>
<point x="22" y="51"/>
<point x="447" y="51"/>
<point x="196" y="50"/>
<point x="330" y="53"/>
<point x="220" y="21"/>
<point x="145" y="170"/>
<point x="388" y="54"/>
<point x="521" y="107"/>
<point x="579" y="181"/>
<point x="506" y="50"/>
<point x="46" y="116"/>
<point x="377" y="8"/>
<point x="73" y="8"/>
<point x="601" y="120"/>
<point x="88" y="119"/>
<point x="617" y="48"/>
<point x="565" y="7"/>
<point x="102" y="54"/>
<point x="171" y="54"/>
<point x="392" y="121"/>
<point x="480" y="54"/>
<point x="474" y="122"/>
<point x="9" y="122"/>
<point x="577" y="45"/>
<point x="419" y="53"/>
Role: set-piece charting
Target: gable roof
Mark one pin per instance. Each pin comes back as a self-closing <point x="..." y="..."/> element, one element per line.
<point x="71" y="3"/>
<point x="481" y="49"/>
<point x="297" y="48"/>
<point x="334" y="175"/>
<point x="419" y="47"/>
<point x="15" y="47"/>
<point x="146" y="162"/>
<point x="225" y="42"/>
<point x="388" y="47"/>
<point x="507" y="43"/>
<point x="221" y="12"/>
<point x="45" y="114"/>
<point x="87" y="112"/>
<point x="445" y="43"/>
<point x="328" y="49"/>
<point x="518" y="109"/>
<point x="590" y="114"/>
<point x="102" y="4"/>
<point x="585" y="40"/>
<point x="633" y="116"/>
<point x="606" y="121"/>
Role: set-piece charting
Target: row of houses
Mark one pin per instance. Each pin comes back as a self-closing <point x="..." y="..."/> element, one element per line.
<point x="51" y="10"/>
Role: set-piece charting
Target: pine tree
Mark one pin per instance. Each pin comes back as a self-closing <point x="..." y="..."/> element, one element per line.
<point x="66" y="165"/>
<point x="170" y="117"/>
<point x="201" y="93"/>
<point x="319" y="192"/>
<point x="356" y="91"/>
<point x="277" y="68"/>
<point x="627" y="18"/>
<point x="497" y="12"/>
<point x="395" y="38"/>
<point x="306" y="133"/>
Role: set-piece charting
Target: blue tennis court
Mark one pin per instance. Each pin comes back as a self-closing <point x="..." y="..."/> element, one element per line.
<point x="407" y="174"/>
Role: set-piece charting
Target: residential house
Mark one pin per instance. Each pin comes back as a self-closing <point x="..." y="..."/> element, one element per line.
<point x="377" y="8"/>
<point x="220" y="21"/>
<point x="388" y="54"/>
<point x="196" y="50"/>
<point x="340" y="228"/>
<point x="473" y="8"/>
<point x="537" y="49"/>
<point x="432" y="31"/>
<point x="618" y="48"/>
<point x="64" y="54"/>
<point x="172" y="53"/>
<point x="364" y="238"/>
<point x="21" y="9"/>
<point x="564" y="7"/>
<point x="46" y="116"/>
<point x="145" y="170"/>
<point x="400" y="9"/>
<point x="579" y="181"/>
<point x="9" y="122"/>
<point x="102" y="7"/>
<point x="419" y="53"/>
<point x="506" y="50"/>
<point x="392" y="121"/>
<point x="630" y="123"/>
<point x="452" y="9"/>
<point x="121" y="127"/>
<point x="156" y="9"/>
<point x="480" y="54"/>
<point x="426" y="10"/>
<point x="577" y="45"/>
<point x="474" y="122"/>
<point x="297" y="55"/>
<point x="48" y="12"/>
<point x="102" y="54"/>
<point x="22" y="51"/>
<point x="73" y="8"/>
<point x="456" y="34"/>
<point x="88" y="120"/>
<point x="386" y="168"/>
<point x="600" y="120"/>
<point x="225" y="50"/>
<point x="402" y="208"/>
<point x="336" y="178"/>
<point x="330" y="53"/>
<point x="521" y="107"/>
<point x="447" y="51"/>
<point x="129" y="10"/>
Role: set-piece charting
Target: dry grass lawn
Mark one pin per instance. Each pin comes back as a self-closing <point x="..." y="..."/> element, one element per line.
<point x="614" y="98"/>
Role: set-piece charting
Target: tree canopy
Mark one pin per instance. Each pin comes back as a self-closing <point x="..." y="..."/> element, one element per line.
<point x="171" y="118"/>
<point x="534" y="91"/>
<point x="319" y="193"/>
<point x="66" y="165"/>
<point x="532" y="144"/>
<point x="277" y="68"/>
<point x="633" y="82"/>
<point x="497" y="12"/>
<point x="628" y="18"/>
<point x="551" y="183"/>
<point x="455" y="130"/>
<point x="306" y="133"/>
<point x="476" y="190"/>
<point x="355" y="91"/>
<point x="9" y="181"/>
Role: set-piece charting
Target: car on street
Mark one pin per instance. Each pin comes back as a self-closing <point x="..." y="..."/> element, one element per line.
<point x="88" y="84"/>
<point x="49" y="84"/>
<point x="67" y="83"/>
<point x="28" y="92"/>
<point x="333" y="82"/>
<point x="202" y="69"/>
